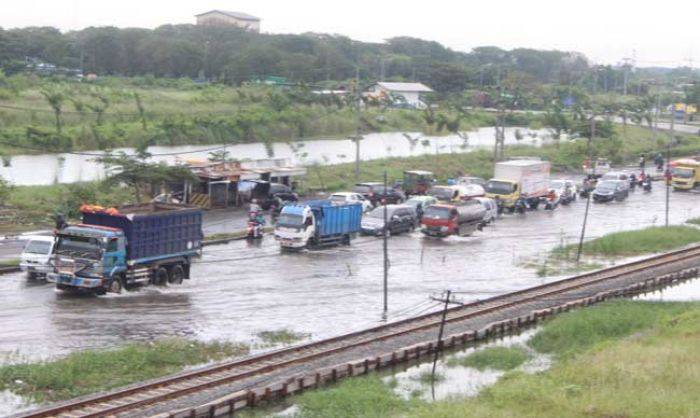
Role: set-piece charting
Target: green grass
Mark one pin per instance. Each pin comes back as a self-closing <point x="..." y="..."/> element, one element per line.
<point x="282" y="336"/>
<point x="92" y="371"/>
<point x="622" y="359"/>
<point x="628" y="243"/>
<point x="426" y="377"/>
<point x="498" y="357"/>
<point x="364" y="397"/>
<point x="577" y="331"/>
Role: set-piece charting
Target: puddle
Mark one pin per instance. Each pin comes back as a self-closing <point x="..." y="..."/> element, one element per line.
<point x="684" y="292"/>
<point x="11" y="403"/>
<point x="457" y="380"/>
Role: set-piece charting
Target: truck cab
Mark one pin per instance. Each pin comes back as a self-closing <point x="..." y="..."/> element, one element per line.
<point x="504" y="192"/>
<point x="295" y="227"/>
<point x="685" y="174"/>
<point x="89" y="257"/>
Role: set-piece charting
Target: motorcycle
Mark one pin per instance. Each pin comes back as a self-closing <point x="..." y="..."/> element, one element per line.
<point x="633" y="181"/>
<point x="551" y="202"/>
<point x="256" y="221"/>
<point x="647" y="184"/>
<point x="520" y="206"/>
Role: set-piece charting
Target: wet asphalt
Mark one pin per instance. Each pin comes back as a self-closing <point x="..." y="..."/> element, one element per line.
<point x="242" y="288"/>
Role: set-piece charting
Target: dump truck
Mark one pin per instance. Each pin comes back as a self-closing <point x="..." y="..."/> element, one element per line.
<point x="117" y="248"/>
<point x="519" y="184"/>
<point x="318" y="223"/>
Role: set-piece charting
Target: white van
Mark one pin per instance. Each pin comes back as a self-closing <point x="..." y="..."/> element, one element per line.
<point x="36" y="256"/>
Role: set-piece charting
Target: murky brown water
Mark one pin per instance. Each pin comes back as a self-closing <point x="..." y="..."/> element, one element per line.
<point x="240" y="289"/>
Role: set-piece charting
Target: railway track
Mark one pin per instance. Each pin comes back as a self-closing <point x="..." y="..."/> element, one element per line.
<point x="133" y="398"/>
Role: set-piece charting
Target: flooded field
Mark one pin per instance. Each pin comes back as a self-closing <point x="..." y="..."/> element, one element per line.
<point x="240" y="289"/>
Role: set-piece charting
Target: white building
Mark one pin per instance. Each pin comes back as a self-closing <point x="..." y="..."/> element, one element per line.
<point x="226" y="18"/>
<point x="408" y="93"/>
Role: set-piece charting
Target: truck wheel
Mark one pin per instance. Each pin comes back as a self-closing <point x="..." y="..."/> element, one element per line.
<point x="161" y="277"/>
<point x="177" y="274"/>
<point x="346" y="239"/>
<point x="116" y="285"/>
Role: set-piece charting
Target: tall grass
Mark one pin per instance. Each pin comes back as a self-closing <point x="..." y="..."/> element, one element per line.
<point x="642" y="241"/>
<point x="497" y="357"/>
<point x="97" y="370"/>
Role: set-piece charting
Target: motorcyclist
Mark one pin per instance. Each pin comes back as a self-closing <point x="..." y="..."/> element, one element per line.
<point x="647" y="183"/>
<point x="659" y="162"/>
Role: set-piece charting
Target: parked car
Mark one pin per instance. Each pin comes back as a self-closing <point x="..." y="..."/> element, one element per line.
<point x="419" y="203"/>
<point x="400" y="218"/>
<point x="491" y="208"/>
<point x="267" y="194"/>
<point x="351" y="197"/>
<point x="608" y="190"/>
<point x="375" y="192"/>
<point x="565" y="189"/>
<point x="35" y="259"/>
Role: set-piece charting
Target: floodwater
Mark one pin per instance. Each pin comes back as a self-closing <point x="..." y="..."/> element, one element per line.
<point x="43" y="169"/>
<point x="240" y="289"/>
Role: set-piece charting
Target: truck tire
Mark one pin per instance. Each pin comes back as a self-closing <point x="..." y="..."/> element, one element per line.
<point x="177" y="275"/>
<point x="161" y="276"/>
<point x="116" y="285"/>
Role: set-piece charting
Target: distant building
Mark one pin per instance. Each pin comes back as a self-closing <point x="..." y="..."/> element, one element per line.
<point x="401" y="94"/>
<point x="226" y="18"/>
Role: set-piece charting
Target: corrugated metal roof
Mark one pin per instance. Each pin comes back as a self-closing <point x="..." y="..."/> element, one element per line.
<point x="417" y="87"/>
<point x="237" y="15"/>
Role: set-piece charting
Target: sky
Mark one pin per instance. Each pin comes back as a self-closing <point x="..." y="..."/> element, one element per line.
<point x="658" y="34"/>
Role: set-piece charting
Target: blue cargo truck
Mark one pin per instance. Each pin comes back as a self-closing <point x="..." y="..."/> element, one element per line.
<point x="117" y="248"/>
<point x="318" y="223"/>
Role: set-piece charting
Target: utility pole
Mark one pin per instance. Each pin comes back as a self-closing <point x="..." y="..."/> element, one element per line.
<point x="358" y="135"/>
<point x="668" y="162"/>
<point x="386" y="249"/>
<point x="590" y="192"/>
<point x="438" y="346"/>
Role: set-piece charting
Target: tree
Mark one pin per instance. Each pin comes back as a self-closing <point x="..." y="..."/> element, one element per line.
<point x="55" y="96"/>
<point x="137" y="173"/>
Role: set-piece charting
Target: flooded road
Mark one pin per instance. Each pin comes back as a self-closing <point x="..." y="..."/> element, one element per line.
<point x="240" y="289"/>
<point x="44" y="169"/>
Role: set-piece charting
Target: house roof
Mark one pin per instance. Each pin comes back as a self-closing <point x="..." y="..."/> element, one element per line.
<point x="237" y="15"/>
<point x="416" y="87"/>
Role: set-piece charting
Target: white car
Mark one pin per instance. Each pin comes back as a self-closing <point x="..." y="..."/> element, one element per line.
<point x="350" y="197"/>
<point x="36" y="256"/>
<point x="491" y="208"/>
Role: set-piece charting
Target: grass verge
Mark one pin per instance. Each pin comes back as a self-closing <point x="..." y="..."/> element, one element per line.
<point x="619" y="359"/>
<point x="93" y="371"/>
<point x="653" y="239"/>
<point x="498" y="357"/>
<point x="629" y="243"/>
<point x="282" y="336"/>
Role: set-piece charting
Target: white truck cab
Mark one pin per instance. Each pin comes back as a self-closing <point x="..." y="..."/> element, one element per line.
<point x="295" y="226"/>
<point x="36" y="256"/>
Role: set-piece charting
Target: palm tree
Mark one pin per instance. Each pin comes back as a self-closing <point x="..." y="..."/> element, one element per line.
<point x="55" y="96"/>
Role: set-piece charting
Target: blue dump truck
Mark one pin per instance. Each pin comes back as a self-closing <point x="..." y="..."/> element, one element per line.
<point x="318" y="223"/>
<point x="117" y="248"/>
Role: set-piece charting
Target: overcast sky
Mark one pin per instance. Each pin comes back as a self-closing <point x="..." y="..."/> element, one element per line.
<point x="660" y="33"/>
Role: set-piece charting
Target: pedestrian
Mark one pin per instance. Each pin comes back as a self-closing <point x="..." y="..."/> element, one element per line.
<point x="642" y="162"/>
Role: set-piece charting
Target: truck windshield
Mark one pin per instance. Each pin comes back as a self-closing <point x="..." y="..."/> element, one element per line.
<point x="435" y="212"/>
<point x="294" y="221"/>
<point x="75" y="246"/>
<point x="684" y="173"/>
<point x="499" y="187"/>
<point x="38" y="247"/>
